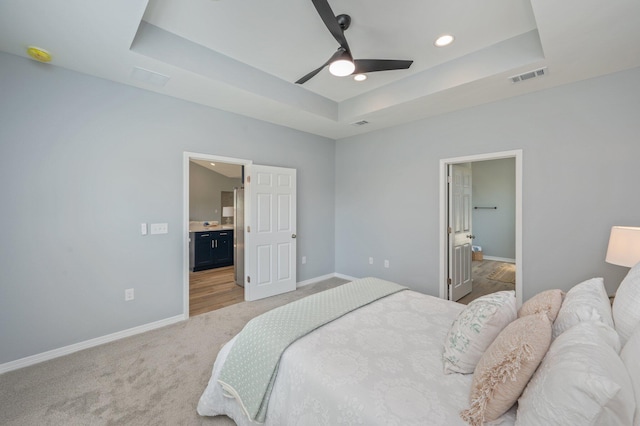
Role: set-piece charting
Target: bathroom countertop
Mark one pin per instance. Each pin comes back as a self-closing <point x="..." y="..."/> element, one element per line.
<point x="200" y="228"/>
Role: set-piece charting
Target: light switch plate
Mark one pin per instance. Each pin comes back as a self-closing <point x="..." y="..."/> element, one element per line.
<point x="159" y="228"/>
<point x="143" y="228"/>
<point x="129" y="295"/>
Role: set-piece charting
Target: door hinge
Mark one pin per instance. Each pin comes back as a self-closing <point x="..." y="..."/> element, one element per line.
<point x="248" y="279"/>
<point x="448" y="280"/>
<point x="448" y="230"/>
<point x="248" y="179"/>
<point x="448" y="179"/>
<point x="248" y="228"/>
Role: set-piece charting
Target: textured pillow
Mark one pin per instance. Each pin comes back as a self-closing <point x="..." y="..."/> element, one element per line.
<point x="587" y="301"/>
<point x="626" y="305"/>
<point x="629" y="356"/>
<point x="581" y="381"/>
<point x="548" y="302"/>
<point x="506" y="367"/>
<point x="475" y="328"/>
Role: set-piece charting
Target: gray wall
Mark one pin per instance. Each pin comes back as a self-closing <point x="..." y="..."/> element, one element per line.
<point x="205" y="187"/>
<point x="494" y="185"/>
<point x="85" y="161"/>
<point x="580" y="149"/>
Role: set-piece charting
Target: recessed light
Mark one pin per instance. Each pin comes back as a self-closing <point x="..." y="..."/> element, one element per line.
<point x="443" y="40"/>
<point x="213" y="164"/>
<point x="360" y="77"/>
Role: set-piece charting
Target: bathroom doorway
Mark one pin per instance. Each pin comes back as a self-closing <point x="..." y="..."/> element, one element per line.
<point x="213" y="260"/>
<point x="444" y="218"/>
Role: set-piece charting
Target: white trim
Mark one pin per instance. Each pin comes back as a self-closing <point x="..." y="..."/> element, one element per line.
<point x="345" y="277"/>
<point x="66" y="350"/>
<point x="517" y="154"/>
<point x="185" y="215"/>
<point x="499" y="259"/>
<point x="314" y="280"/>
<point x="322" y="278"/>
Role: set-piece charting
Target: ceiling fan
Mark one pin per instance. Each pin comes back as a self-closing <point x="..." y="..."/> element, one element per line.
<point x="342" y="63"/>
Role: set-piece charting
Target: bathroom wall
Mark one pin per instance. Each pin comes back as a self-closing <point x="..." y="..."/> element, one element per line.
<point x="205" y="187"/>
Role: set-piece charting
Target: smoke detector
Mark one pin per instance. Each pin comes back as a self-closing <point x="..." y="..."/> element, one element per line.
<point x="529" y="75"/>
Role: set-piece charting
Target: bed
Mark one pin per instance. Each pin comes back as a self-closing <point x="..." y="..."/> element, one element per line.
<point x="385" y="363"/>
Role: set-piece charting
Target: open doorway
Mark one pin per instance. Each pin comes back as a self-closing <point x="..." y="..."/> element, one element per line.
<point x="268" y="247"/>
<point x="215" y="234"/>
<point x="461" y="240"/>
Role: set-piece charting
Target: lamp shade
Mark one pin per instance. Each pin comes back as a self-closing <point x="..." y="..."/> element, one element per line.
<point x="227" y="211"/>
<point x="624" y="246"/>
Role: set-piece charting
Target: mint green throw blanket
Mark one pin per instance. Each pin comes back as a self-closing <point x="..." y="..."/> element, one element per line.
<point x="252" y="365"/>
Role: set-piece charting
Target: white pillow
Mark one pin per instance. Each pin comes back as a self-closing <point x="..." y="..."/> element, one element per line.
<point x="587" y="301"/>
<point x="626" y="305"/>
<point x="475" y="328"/>
<point x="581" y="381"/>
<point x="629" y="356"/>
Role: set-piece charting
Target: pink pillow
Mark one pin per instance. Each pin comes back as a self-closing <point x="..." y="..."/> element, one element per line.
<point x="548" y="301"/>
<point x="506" y="367"/>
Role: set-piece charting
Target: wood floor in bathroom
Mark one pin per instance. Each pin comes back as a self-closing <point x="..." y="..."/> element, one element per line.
<point x="482" y="284"/>
<point x="213" y="289"/>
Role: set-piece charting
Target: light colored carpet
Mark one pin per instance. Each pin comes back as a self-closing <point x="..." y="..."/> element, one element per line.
<point x="154" y="378"/>
<point x="505" y="273"/>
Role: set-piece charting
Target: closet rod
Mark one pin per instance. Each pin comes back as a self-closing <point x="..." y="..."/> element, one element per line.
<point x="492" y="208"/>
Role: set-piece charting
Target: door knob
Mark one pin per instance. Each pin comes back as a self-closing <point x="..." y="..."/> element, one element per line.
<point x="293" y="235"/>
<point x="471" y="237"/>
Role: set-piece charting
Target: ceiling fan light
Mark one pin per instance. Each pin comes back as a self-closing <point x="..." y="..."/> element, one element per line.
<point x="443" y="40"/>
<point x="342" y="67"/>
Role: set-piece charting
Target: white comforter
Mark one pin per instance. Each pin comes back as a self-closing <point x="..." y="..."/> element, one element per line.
<point x="378" y="365"/>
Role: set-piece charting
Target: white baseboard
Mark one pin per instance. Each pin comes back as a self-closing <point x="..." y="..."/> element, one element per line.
<point x="55" y="353"/>
<point x="499" y="259"/>
<point x="345" y="277"/>
<point x="322" y="278"/>
<point x="66" y="350"/>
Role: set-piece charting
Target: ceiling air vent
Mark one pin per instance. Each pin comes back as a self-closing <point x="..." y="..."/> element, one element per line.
<point x="528" y="75"/>
<point x="147" y="76"/>
<point x="360" y="123"/>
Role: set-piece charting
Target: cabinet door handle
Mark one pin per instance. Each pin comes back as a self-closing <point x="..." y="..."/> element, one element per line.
<point x="212" y="244"/>
<point x="223" y="233"/>
<point x="204" y="235"/>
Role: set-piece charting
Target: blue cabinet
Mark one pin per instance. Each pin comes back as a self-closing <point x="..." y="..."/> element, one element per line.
<point x="210" y="249"/>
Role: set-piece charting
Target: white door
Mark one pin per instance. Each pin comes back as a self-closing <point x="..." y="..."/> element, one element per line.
<point x="270" y="246"/>
<point x="459" y="230"/>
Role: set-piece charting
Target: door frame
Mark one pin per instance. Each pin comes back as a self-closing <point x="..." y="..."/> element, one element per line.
<point x="186" y="157"/>
<point x="444" y="255"/>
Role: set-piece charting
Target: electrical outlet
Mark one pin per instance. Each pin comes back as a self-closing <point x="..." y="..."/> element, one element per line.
<point x="143" y="228"/>
<point x="304" y="259"/>
<point x="159" y="228"/>
<point x="371" y="261"/>
<point x="128" y="294"/>
<point x="386" y="263"/>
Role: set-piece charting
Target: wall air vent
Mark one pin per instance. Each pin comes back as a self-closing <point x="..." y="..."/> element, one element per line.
<point x="529" y="75"/>
<point x="360" y="123"/>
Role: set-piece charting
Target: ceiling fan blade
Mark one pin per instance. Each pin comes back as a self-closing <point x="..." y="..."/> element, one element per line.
<point x="313" y="73"/>
<point x="371" y="65"/>
<point x="329" y="19"/>
<point x="310" y="75"/>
